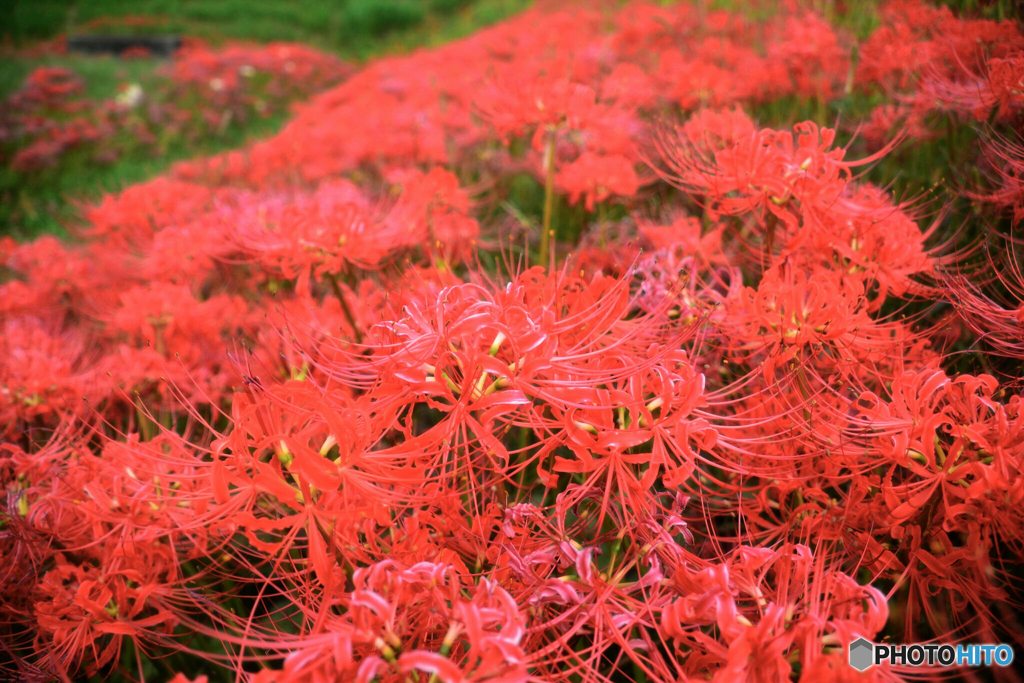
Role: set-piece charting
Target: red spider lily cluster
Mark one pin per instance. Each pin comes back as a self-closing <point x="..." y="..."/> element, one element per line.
<point x="275" y="414"/>
<point x="31" y="116"/>
<point x="930" y="61"/>
<point x="202" y="92"/>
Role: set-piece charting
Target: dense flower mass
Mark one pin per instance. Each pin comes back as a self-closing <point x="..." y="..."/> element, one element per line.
<point x="314" y="410"/>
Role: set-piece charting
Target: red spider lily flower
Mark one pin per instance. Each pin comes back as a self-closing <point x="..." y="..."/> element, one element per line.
<point x="715" y="129"/>
<point x="44" y="373"/>
<point x="607" y="248"/>
<point x="767" y="173"/>
<point x="1006" y="158"/>
<point x="887" y="120"/>
<point x="402" y="620"/>
<point x="171" y="320"/>
<point x="141" y="210"/>
<point x="645" y="27"/>
<point x="699" y="83"/>
<point x="597" y="177"/>
<point x="541" y="103"/>
<point x="816" y="61"/>
<point x="1006" y="83"/>
<point x="914" y="36"/>
<point x="332" y="231"/>
<point x="563" y="113"/>
<point x="83" y="616"/>
<point x="629" y="86"/>
<point x="715" y="64"/>
<point x="934" y="440"/>
<point x="433" y="211"/>
<point x="997" y="92"/>
<point x="684" y="284"/>
<point x="51" y="280"/>
<point x="686" y="236"/>
<point x="757" y="640"/>
<point x="792" y="309"/>
<point x="193" y="250"/>
<point x="47" y="86"/>
<point x="992" y="307"/>
<point x="870" y="239"/>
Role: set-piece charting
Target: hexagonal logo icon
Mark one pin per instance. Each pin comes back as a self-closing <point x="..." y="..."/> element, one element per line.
<point x="861" y="654"/>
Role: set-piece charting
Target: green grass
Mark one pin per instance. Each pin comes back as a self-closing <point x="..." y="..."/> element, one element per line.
<point x="45" y="202"/>
<point x="102" y="75"/>
<point x="355" y="29"/>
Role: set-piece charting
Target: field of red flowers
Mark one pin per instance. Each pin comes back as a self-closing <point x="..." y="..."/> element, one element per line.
<point x="536" y="357"/>
<point x="204" y="91"/>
